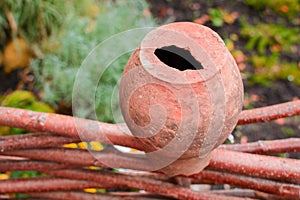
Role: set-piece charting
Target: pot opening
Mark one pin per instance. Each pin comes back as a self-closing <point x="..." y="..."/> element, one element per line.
<point x="177" y="58"/>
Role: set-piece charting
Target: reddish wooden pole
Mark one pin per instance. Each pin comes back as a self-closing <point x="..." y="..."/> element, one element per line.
<point x="283" y="169"/>
<point x="68" y="126"/>
<point x="269" y="167"/>
<point x="46" y="184"/>
<point x="77" y="195"/>
<point x="82" y="157"/>
<point x="273" y="187"/>
<point x="33" y="165"/>
<point x="275" y="168"/>
<point x="270" y="113"/>
<point x="44" y="140"/>
<point x="141" y="183"/>
<point x="290" y="145"/>
<point x="34" y="140"/>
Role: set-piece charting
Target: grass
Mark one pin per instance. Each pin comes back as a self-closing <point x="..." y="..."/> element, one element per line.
<point x="45" y="17"/>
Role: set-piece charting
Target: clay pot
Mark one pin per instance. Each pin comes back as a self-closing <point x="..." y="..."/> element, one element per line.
<point x="181" y="94"/>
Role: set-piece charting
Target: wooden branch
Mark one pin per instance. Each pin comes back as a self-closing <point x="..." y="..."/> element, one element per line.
<point x="105" y="177"/>
<point x="33" y="165"/>
<point x="84" y="158"/>
<point x="89" y="130"/>
<point x="211" y="177"/>
<point x="46" y="184"/>
<point x="270" y="113"/>
<point x="34" y="140"/>
<point x="247" y="193"/>
<point x="282" y="189"/>
<point x="76" y="195"/>
<point x="141" y="183"/>
<point x="43" y="140"/>
<point x="266" y="196"/>
<point x="282" y="169"/>
<point x="65" y="129"/>
<point x="290" y="145"/>
<point x="137" y="194"/>
<point x="117" y="133"/>
<point x="12" y="23"/>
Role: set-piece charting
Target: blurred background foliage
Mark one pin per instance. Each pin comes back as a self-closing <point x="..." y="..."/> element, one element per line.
<point x="58" y="38"/>
<point x="63" y="55"/>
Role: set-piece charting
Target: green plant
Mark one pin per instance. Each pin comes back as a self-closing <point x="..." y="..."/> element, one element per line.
<point x="22" y="99"/>
<point x="287" y="8"/>
<point x="55" y="72"/>
<point x="270" y="68"/>
<point x="220" y="16"/>
<point x="216" y="17"/>
<point x="289" y="71"/>
<point x="264" y="36"/>
<point x="44" y="17"/>
<point x="288" y="131"/>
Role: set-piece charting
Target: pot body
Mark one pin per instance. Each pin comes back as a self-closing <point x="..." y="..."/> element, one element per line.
<point x="181" y="94"/>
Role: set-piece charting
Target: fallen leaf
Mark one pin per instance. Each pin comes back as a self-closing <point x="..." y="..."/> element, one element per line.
<point x="230" y="18"/>
<point x="254" y="97"/>
<point x="146" y="13"/>
<point x="202" y="20"/>
<point x="280" y="121"/>
<point x="16" y="55"/>
<point x="284" y="9"/>
<point x="276" y="48"/>
<point x="244" y="139"/>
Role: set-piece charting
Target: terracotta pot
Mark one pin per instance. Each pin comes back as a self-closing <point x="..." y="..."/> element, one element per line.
<point x="181" y="94"/>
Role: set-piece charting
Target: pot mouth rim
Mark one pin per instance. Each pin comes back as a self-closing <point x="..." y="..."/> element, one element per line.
<point x="175" y="37"/>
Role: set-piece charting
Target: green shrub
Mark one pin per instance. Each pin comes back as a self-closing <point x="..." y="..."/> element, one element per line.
<point x="270" y="68"/>
<point x="35" y="19"/>
<point x="287" y="8"/>
<point x="263" y="36"/>
<point x="55" y="72"/>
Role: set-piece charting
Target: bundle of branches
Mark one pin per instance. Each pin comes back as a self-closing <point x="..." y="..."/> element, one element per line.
<point x="249" y="168"/>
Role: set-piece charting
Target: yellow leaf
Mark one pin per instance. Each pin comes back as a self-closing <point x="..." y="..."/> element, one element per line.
<point x="90" y="190"/>
<point x="134" y="150"/>
<point x="94" y="167"/>
<point x="1" y="58"/>
<point x="83" y="145"/>
<point x="16" y="55"/>
<point x="4" y="130"/>
<point x="93" y="10"/>
<point x="3" y="176"/>
<point x="230" y="18"/>
<point x="96" y="146"/>
<point x="41" y="107"/>
<point x="18" y="98"/>
<point x="71" y="145"/>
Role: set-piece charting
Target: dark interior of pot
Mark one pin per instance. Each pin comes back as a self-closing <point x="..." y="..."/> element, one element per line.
<point x="177" y="58"/>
